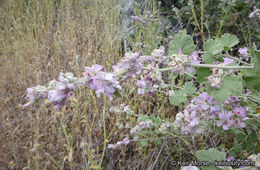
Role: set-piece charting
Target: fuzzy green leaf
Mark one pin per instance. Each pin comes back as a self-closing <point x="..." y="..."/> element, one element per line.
<point x="210" y="155"/>
<point x="189" y="88"/>
<point x="178" y="97"/>
<point x="202" y="74"/>
<point x="213" y="46"/>
<point x="117" y="93"/>
<point x="229" y="40"/>
<point x="181" y="41"/>
<point x="232" y="85"/>
<point x="208" y="58"/>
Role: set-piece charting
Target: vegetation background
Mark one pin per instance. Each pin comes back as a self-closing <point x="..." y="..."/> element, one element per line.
<point x="40" y="39"/>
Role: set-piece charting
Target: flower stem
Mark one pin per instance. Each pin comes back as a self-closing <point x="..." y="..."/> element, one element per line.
<point x="209" y="66"/>
<point x="234" y="58"/>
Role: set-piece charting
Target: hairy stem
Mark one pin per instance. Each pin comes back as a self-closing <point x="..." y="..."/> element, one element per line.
<point x="209" y="66"/>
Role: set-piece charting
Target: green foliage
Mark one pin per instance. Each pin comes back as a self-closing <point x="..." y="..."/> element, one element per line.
<point x="181" y="41"/>
<point x="143" y="143"/>
<point x="202" y="74"/>
<point x="172" y="77"/>
<point x="232" y="85"/>
<point x="178" y="97"/>
<point x="252" y="79"/>
<point x="117" y="93"/>
<point x="208" y="58"/>
<point x="229" y="40"/>
<point x="210" y="155"/>
<point x="189" y="88"/>
<point x="213" y="46"/>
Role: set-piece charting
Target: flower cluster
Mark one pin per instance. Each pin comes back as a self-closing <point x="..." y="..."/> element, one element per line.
<point x="141" y="125"/>
<point x="243" y="51"/>
<point x="61" y="89"/>
<point x="125" y="142"/>
<point x="122" y="109"/>
<point x="180" y="61"/>
<point x="204" y="108"/>
<point x="150" y="82"/>
<point x="201" y="109"/>
<point x="233" y="115"/>
<point x="101" y="82"/>
<point x="255" y="13"/>
<point x="130" y="63"/>
<point x="215" y="79"/>
<point x="34" y="94"/>
<point x="164" y="126"/>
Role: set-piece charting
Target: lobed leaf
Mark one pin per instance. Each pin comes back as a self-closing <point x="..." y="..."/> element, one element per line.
<point x="178" y="97"/>
<point x="182" y="41"/>
<point x="213" y="46"/>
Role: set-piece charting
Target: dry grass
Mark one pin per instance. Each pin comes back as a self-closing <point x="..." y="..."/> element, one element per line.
<point x="38" y="40"/>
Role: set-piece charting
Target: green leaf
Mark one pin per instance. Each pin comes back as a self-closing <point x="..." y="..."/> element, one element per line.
<point x="202" y="74"/>
<point x="181" y="41"/>
<point x="213" y="46"/>
<point x="157" y="142"/>
<point x="189" y="88"/>
<point x="208" y="58"/>
<point x="232" y="85"/>
<point x="178" y="97"/>
<point x="117" y="93"/>
<point x="143" y="143"/>
<point x="229" y="40"/>
<point x="253" y="82"/>
<point x="172" y="77"/>
<point x="252" y="78"/>
<point x="210" y="155"/>
<point x="241" y="137"/>
<point x="236" y="148"/>
<point x="256" y="55"/>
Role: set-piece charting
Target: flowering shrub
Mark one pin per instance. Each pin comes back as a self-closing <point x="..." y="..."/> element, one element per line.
<point x="218" y="100"/>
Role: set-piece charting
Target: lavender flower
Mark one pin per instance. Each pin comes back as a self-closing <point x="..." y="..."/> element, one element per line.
<point x="255" y="13"/>
<point x="60" y="90"/>
<point x="178" y="62"/>
<point x="141" y="125"/>
<point x="136" y="18"/>
<point x="240" y="111"/>
<point x="228" y="61"/>
<point x="225" y="119"/>
<point x="131" y="63"/>
<point x="34" y="94"/>
<point x="150" y="83"/>
<point x="164" y="126"/>
<point x="193" y="59"/>
<point x="232" y="101"/>
<point x="243" y="51"/>
<point x="191" y="118"/>
<point x="229" y="159"/>
<point x="215" y="79"/>
<point x="125" y="142"/>
<point x="101" y="82"/>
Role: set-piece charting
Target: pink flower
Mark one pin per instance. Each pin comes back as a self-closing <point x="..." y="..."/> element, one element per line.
<point x="191" y="118"/>
<point x="228" y="61"/>
<point x="240" y="111"/>
<point x="243" y="51"/>
<point x="225" y="119"/>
